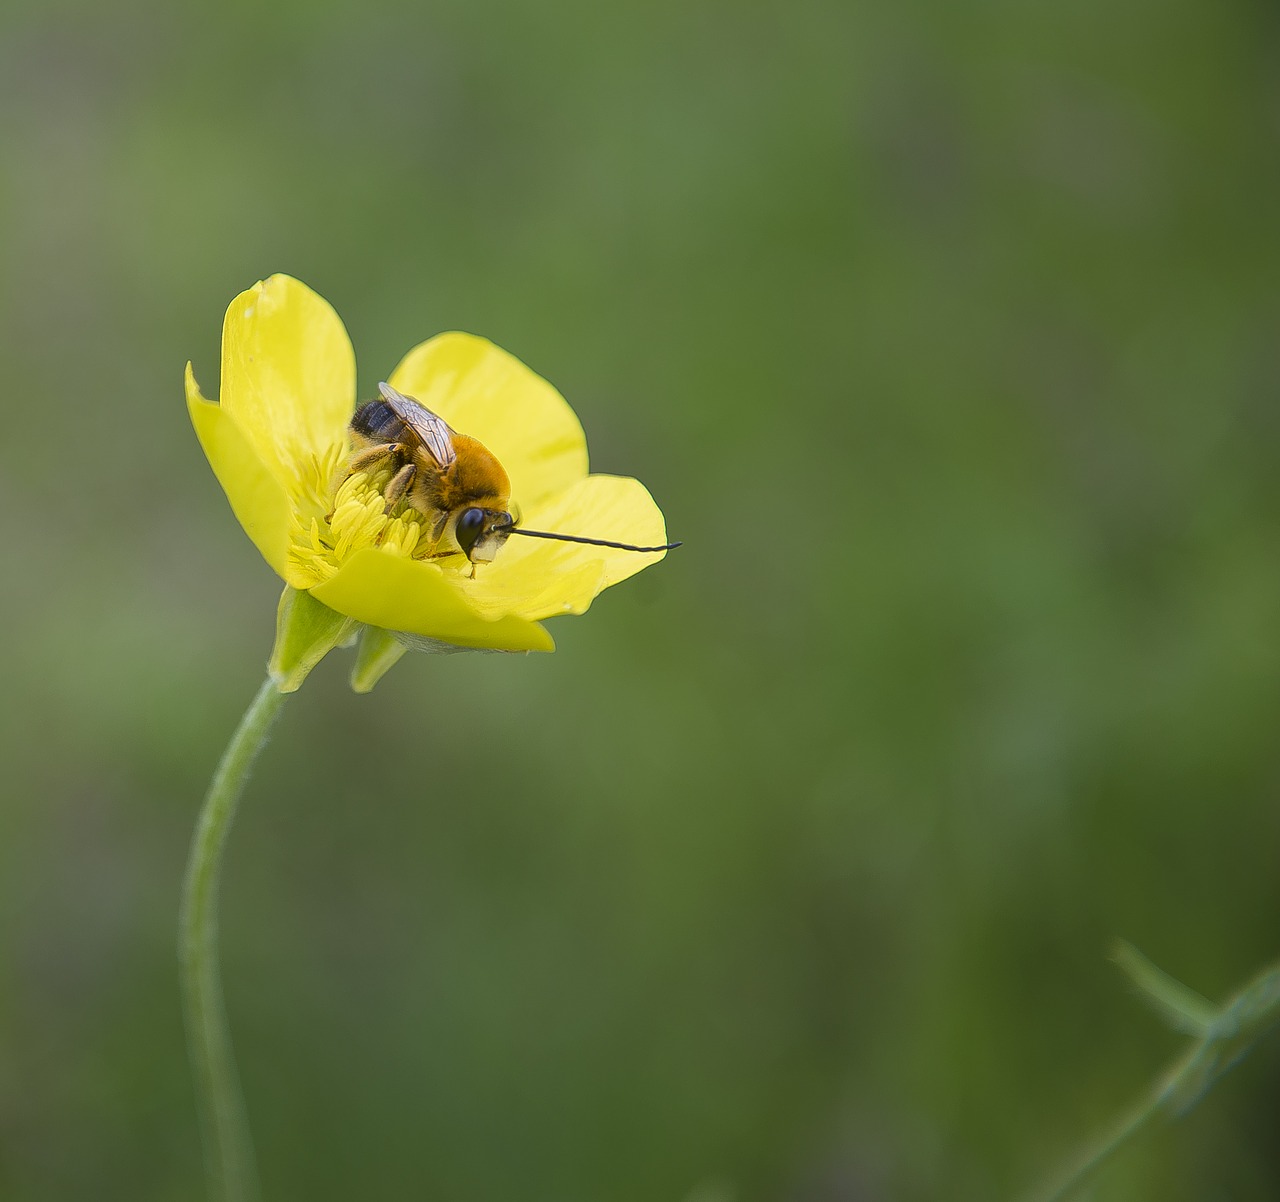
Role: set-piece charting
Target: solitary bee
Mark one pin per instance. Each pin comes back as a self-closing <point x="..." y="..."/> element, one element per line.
<point x="451" y="479"/>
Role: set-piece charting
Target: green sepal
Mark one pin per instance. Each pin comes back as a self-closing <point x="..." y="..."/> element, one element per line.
<point x="306" y="631"/>
<point x="1180" y="1006"/>
<point x="379" y="651"/>
<point x="429" y="646"/>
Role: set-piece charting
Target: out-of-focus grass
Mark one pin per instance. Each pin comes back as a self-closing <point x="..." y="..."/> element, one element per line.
<point x="945" y="337"/>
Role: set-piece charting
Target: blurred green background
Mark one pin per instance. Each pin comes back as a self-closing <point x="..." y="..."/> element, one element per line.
<point x="946" y="336"/>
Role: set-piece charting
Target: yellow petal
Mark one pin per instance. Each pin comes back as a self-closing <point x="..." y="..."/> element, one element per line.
<point x="536" y="591"/>
<point x="288" y="373"/>
<point x="395" y="593"/>
<point x="258" y="500"/>
<point x="536" y="578"/>
<point x="482" y="391"/>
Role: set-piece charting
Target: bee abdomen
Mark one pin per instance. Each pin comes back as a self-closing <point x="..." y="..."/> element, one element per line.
<point x="377" y="422"/>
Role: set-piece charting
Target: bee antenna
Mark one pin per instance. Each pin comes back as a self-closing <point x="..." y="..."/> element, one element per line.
<point x="577" y="538"/>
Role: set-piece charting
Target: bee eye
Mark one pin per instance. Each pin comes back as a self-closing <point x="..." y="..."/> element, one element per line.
<point x="470" y="524"/>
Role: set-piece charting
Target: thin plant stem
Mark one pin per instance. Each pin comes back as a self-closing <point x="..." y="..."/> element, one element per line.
<point x="1092" y="1157"/>
<point x="224" y="1130"/>
<point x="1228" y="1032"/>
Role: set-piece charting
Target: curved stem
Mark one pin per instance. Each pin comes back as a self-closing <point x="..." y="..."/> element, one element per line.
<point x="1227" y="1034"/>
<point x="228" y="1150"/>
<point x="1121" y="1130"/>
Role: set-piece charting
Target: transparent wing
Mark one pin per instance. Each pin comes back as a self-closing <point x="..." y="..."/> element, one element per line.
<point x="434" y="431"/>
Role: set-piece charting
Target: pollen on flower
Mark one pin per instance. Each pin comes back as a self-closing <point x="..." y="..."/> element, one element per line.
<point x="356" y="518"/>
<point x="402" y="536"/>
<point x="317" y="477"/>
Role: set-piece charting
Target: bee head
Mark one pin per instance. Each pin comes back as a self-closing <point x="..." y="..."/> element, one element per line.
<point x="481" y="532"/>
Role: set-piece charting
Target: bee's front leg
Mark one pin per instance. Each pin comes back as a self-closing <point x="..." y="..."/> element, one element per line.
<point x="398" y="486"/>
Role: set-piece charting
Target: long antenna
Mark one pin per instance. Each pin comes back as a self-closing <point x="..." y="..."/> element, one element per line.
<point x="595" y="542"/>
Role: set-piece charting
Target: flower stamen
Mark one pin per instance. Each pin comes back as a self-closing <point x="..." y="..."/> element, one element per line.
<point x="354" y="518"/>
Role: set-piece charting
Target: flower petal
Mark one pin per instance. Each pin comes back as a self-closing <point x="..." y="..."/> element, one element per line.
<point x="396" y="593"/>
<point x="288" y="373"/>
<point x="258" y="500"/>
<point x="537" y="578"/>
<point x="482" y="391"/>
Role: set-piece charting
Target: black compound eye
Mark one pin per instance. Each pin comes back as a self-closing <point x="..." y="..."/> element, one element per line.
<point x="470" y="524"/>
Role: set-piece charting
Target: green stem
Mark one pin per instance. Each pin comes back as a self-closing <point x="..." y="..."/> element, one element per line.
<point x="1228" y="1032"/>
<point x="1088" y="1161"/>
<point x="228" y="1150"/>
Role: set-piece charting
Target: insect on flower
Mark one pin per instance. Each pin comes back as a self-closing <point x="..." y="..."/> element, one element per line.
<point x="384" y="518"/>
<point x="451" y="479"/>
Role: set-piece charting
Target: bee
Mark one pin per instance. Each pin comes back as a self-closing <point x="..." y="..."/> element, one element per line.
<point x="451" y="479"/>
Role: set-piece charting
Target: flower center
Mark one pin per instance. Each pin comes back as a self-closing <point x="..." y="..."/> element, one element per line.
<point x="337" y="513"/>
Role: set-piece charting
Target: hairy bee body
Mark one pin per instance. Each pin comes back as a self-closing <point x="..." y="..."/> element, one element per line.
<point x="451" y="479"/>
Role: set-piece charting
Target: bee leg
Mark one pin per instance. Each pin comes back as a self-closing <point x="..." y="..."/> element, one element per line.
<point x="399" y="485"/>
<point x="371" y="455"/>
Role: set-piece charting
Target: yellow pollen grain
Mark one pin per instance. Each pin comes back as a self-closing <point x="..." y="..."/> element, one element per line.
<point x="403" y="535"/>
<point x="355" y="518"/>
<point x="316" y="477"/>
<point x="357" y="523"/>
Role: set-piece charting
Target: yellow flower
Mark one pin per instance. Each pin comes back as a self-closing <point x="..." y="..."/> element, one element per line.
<point x="277" y="441"/>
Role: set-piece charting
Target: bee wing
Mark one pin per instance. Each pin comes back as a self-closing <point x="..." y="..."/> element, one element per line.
<point x="435" y="432"/>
